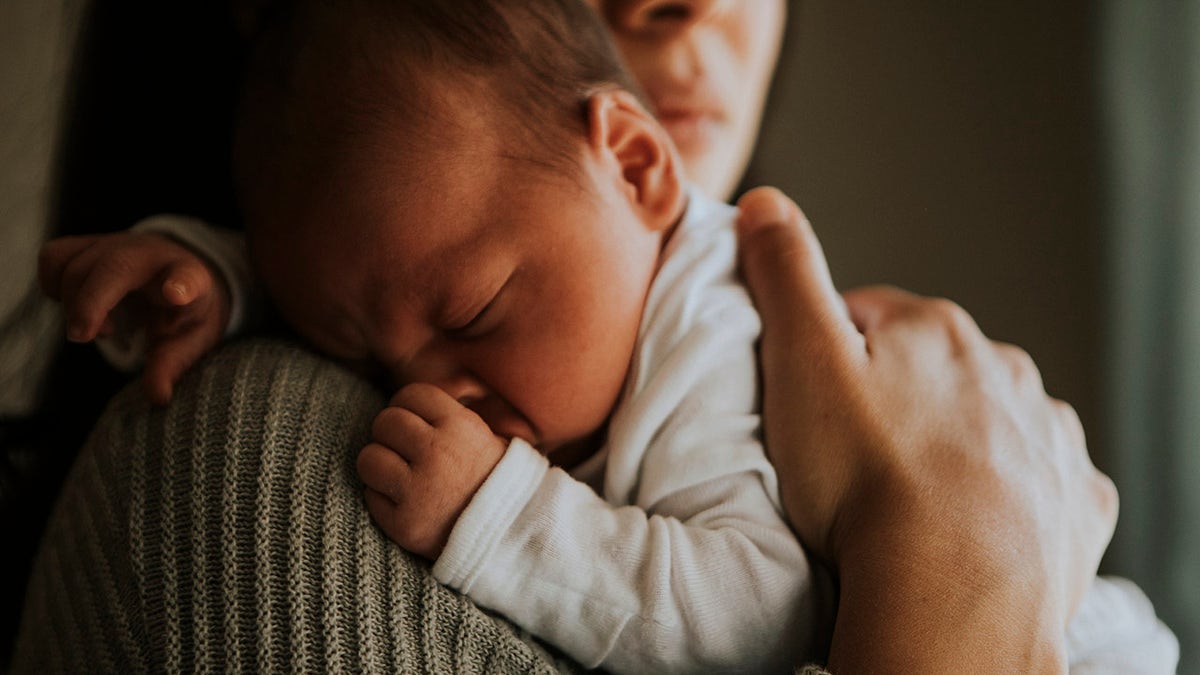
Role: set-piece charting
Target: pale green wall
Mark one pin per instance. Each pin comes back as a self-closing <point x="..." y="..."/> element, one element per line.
<point x="1151" y="100"/>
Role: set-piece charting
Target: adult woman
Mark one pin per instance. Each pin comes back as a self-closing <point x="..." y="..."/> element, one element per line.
<point x="194" y="616"/>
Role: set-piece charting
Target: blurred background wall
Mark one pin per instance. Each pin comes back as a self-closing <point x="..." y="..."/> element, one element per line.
<point x="1150" y="100"/>
<point x="951" y="149"/>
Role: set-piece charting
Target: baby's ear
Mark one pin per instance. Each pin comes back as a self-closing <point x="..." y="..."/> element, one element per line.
<point x="650" y="169"/>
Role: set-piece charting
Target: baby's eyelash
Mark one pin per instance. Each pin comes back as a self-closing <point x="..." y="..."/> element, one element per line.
<point x="471" y="328"/>
<point x="485" y="318"/>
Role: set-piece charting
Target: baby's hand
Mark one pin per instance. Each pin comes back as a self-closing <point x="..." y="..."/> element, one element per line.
<point x="430" y="455"/>
<point x="171" y="292"/>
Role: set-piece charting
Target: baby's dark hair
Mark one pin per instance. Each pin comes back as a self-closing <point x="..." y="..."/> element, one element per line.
<point x="325" y="74"/>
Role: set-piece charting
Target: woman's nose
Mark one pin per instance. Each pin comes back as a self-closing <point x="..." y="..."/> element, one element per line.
<point x="658" y="15"/>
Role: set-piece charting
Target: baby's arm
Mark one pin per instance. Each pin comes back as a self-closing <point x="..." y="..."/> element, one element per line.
<point x="146" y="285"/>
<point x="716" y="587"/>
<point x="719" y="589"/>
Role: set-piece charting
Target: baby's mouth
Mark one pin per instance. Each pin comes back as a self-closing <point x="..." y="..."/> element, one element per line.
<point x="569" y="455"/>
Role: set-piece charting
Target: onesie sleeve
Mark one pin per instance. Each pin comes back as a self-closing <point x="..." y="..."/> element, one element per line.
<point x="630" y="591"/>
<point x="223" y="248"/>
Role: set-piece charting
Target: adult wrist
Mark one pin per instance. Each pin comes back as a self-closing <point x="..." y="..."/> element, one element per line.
<point x="922" y="590"/>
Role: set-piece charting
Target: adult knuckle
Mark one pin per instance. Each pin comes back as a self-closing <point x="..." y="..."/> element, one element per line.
<point x="898" y="301"/>
<point x="1068" y="415"/>
<point x="1106" y="493"/>
<point x="1020" y="363"/>
<point x="955" y="319"/>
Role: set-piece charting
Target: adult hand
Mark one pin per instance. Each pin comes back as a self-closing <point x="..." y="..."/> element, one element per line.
<point x="952" y="497"/>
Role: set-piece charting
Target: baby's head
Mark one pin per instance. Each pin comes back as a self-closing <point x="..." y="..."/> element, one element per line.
<point x="461" y="192"/>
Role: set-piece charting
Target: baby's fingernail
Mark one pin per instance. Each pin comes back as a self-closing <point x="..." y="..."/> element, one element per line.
<point x="176" y="290"/>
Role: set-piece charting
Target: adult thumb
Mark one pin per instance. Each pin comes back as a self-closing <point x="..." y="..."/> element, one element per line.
<point x="785" y="270"/>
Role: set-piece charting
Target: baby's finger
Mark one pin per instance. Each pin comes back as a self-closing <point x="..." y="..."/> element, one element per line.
<point x="402" y="430"/>
<point x="183" y="282"/>
<point x="390" y="516"/>
<point x="428" y="401"/>
<point x="170" y="358"/>
<point x="379" y="506"/>
<point x="97" y="282"/>
<point x="83" y="321"/>
<point x="53" y="259"/>
<point x="383" y="471"/>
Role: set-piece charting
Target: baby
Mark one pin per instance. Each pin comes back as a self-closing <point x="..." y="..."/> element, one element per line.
<point x="468" y="198"/>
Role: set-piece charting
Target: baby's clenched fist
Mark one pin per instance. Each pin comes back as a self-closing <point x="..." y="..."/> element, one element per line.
<point x="429" y="456"/>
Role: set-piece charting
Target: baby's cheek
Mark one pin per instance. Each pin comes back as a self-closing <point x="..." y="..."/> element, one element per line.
<point x="565" y="361"/>
<point x="577" y="401"/>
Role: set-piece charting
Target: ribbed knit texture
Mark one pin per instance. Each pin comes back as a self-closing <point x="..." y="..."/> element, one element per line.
<point x="227" y="532"/>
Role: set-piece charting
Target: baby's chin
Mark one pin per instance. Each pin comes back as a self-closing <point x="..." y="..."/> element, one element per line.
<point x="570" y="454"/>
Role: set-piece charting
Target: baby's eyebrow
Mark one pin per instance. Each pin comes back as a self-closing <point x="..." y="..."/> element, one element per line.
<point x="379" y="291"/>
<point x="338" y="333"/>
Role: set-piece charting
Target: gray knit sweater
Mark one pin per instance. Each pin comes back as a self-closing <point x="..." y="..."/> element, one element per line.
<point x="226" y="532"/>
